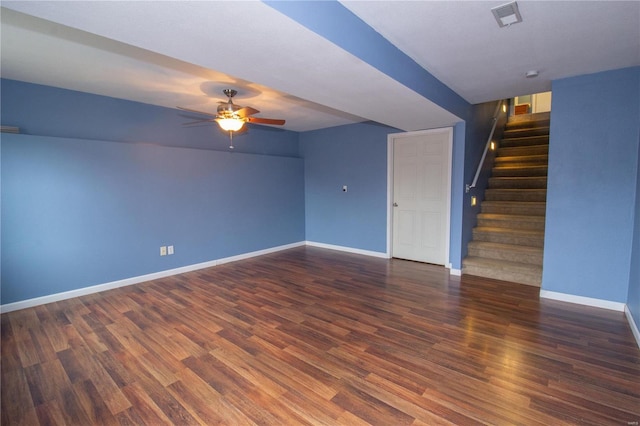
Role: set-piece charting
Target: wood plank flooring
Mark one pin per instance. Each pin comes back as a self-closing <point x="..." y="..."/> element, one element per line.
<point x="314" y="336"/>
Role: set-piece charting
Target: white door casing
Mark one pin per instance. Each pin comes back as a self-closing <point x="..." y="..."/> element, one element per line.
<point x="419" y="195"/>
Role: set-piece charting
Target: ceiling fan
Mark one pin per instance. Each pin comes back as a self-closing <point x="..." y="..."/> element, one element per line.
<point x="231" y="117"/>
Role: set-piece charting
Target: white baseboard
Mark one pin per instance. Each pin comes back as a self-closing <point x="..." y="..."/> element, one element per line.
<point x="581" y="300"/>
<point x="349" y="249"/>
<point x="456" y="272"/>
<point x="29" y="303"/>
<point x="258" y="253"/>
<point x="632" y="324"/>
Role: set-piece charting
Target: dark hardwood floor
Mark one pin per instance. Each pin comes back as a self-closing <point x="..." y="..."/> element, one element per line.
<point x="313" y="336"/>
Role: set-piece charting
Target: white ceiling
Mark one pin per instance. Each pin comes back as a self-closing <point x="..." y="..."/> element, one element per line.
<point x="184" y="53"/>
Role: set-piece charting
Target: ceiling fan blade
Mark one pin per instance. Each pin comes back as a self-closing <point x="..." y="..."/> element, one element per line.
<point x="208" y="120"/>
<point x="246" y="111"/>
<point x="196" y="111"/>
<point x="259" y="120"/>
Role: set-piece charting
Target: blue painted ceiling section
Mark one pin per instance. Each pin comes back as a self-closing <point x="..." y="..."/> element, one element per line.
<point x="336" y="23"/>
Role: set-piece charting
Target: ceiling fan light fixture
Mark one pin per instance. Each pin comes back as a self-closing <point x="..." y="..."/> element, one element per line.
<point x="230" y="124"/>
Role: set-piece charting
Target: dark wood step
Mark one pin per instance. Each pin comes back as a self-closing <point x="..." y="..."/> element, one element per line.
<point x="511" y="221"/>
<point x="507" y="252"/>
<point x="503" y="270"/>
<point x="524" y="141"/>
<point x="515" y="151"/>
<point x="525" y="208"/>
<point x="528" y="182"/>
<point x="526" y="131"/>
<point x="522" y="160"/>
<point x="522" y="237"/>
<point x="530" y="124"/>
<point x="519" y="170"/>
<point x="539" y="119"/>
<point x="515" y="194"/>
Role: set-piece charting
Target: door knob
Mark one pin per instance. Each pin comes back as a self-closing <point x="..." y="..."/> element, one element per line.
<point x="395" y="204"/>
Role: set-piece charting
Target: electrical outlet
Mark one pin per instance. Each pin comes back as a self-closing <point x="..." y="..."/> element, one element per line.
<point x="344" y="188"/>
<point x="163" y="251"/>
<point x="170" y="250"/>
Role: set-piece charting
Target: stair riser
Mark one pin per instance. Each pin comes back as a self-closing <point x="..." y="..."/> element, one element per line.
<point x="525" y="160"/>
<point x="503" y="171"/>
<point x="524" y="124"/>
<point x="516" y="195"/>
<point x="507" y="255"/>
<point x="518" y="121"/>
<point x="523" y="151"/>
<point x="512" y="224"/>
<point x="525" y="132"/>
<point x="518" y="182"/>
<point x="529" y="119"/>
<point x="538" y="209"/>
<point x="521" y="240"/>
<point x="524" y="141"/>
<point x="529" y="279"/>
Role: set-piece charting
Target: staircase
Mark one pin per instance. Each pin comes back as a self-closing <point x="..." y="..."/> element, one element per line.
<point x="508" y="241"/>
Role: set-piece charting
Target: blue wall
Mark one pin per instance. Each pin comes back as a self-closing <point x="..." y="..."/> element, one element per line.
<point x="592" y="186"/>
<point x="356" y="156"/>
<point x="353" y="155"/>
<point x="79" y="211"/>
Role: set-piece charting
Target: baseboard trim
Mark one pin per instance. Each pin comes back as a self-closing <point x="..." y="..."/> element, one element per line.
<point x="581" y="300"/>
<point x="29" y="303"/>
<point x="258" y="253"/>
<point x="348" y="249"/>
<point x="455" y="272"/>
<point x="632" y="324"/>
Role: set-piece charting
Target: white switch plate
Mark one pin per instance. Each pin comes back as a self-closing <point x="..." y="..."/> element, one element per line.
<point x="163" y="251"/>
<point x="170" y="250"/>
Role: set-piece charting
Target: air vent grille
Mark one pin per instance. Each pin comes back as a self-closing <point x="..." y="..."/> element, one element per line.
<point x="507" y="14"/>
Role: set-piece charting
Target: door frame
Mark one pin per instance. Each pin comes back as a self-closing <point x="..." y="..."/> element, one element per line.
<point x="391" y="137"/>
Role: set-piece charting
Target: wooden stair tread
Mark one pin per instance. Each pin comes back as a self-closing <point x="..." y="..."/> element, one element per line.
<point x="525" y="140"/>
<point x="521" y="167"/>
<point x="494" y="229"/>
<point x="500" y="264"/>
<point x="523" y="158"/>
<point x="517" y="190"/>
<point x="510" y="247"/>
<point x="498" y="216"/>
<point x="533" y="130"/>
<point x="527" y="170"/>
<point x="503" y="270"/>
<point x="510" y="151"/>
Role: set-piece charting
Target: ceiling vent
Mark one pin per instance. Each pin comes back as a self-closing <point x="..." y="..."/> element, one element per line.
<point x="507" y="14"/>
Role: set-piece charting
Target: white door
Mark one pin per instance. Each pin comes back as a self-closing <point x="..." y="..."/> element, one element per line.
<point x="421" y="195"/>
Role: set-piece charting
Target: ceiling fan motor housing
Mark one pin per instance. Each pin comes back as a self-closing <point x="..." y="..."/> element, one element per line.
<point x="227" y="109"/>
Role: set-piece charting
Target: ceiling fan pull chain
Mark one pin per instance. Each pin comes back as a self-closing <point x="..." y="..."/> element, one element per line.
<point x="231" y="139"/>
